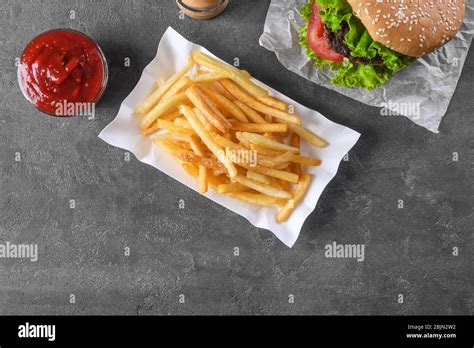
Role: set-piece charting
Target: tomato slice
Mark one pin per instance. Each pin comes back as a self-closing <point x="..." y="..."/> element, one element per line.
<point x="317" y="40"/>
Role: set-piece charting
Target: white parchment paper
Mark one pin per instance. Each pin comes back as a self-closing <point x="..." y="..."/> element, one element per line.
<point x="124" y="132"/>
<point x="422" y="91"/>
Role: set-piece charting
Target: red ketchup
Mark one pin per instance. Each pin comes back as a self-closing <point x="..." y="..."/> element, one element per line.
<point x="62" y="66"/>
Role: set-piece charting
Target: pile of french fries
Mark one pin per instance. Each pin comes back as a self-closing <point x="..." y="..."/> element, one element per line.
<point x="229" y="134"/>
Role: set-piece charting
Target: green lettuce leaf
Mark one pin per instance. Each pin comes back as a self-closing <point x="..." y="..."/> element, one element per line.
<point x="334" y="13"/>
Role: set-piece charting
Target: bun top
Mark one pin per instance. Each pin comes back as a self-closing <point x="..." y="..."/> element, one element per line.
<point x="411" y="27"/>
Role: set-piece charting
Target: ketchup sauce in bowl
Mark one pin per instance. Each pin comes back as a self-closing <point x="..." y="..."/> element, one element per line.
<point x="62" y="67"/>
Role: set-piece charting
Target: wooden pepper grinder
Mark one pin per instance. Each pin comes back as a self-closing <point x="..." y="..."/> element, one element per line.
<point x="202" y="9"/>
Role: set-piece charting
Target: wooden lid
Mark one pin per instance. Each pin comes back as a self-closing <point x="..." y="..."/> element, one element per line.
<point x="202" y="9"/>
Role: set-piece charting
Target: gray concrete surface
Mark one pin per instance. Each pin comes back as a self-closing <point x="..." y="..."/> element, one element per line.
<point x="190" y="251"/>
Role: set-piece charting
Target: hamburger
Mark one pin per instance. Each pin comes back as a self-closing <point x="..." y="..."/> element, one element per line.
<point x="366" y="41"/>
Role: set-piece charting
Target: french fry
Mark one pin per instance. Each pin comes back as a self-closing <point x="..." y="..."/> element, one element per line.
<point x="259" y="177"/>
<point x="285" y="185"/>
<point x="298" y="195"/>
<point x="255" y="198"/>
<point x="309" y="161"/>
<point x="307" y="135"/>
<point x="189" y="142"/>
<point x="184" y="145"/>
<point x="251" y="113"/>
<point x="263" y="188"/>
<point x="241" y="78"/>
<point x="170" y="116"/>
<point x="172" y="147"/>
<point x="244" y="145"/>
<point x="208" y="140"/>
<point x="203" y="179"/>
<point x="216" y="180"/>
<point x="273" y="102"/>
<point x="260" y="127"/>
<point x="161" y="108"/>
<point x="268" y="143"/>
<point x="217" y="86"/>
<point x="226" y="143"/>
<point x="275" y="137"/>
<point x="275" y="183"/>
<point x="181" y="84"/>
<point x="170" y="126"/>
<point x="191" y="169"/>
<point x="283" y="166"/>
<point x="181" y="122"/>
<point x="232" y="187"/>
<point x="213" y="181"/>
<point x="204" y="87"/>
<point x="275" y="162"/>
<point x="245" y="73"/>
<point x="225" y="103"/>
<point x="172" y="136"/>
<point x="196" y="146"/>
<point x="171" y="144"/>
<point x="207" y="77"/>
<point x="264" y="151"/>
<point x="243" y="153"/>
<point x="158" y="84"/>
<point x="255" y="104"/>
<point x="150" y="130"/>
<point x="146" y="105"/>
<point x="295" y="142"/>
<point x="243" y="140"/>
<point x="190" y="157"/>
<point x="204" y="121"/>
<point x="207" y="108"/>
<point x="276" y="173"/>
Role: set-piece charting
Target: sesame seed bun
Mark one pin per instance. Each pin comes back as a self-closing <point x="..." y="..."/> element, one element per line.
<point x="411" y="27"/>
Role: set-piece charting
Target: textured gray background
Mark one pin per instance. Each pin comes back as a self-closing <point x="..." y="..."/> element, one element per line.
<point x="190" y="251"/>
